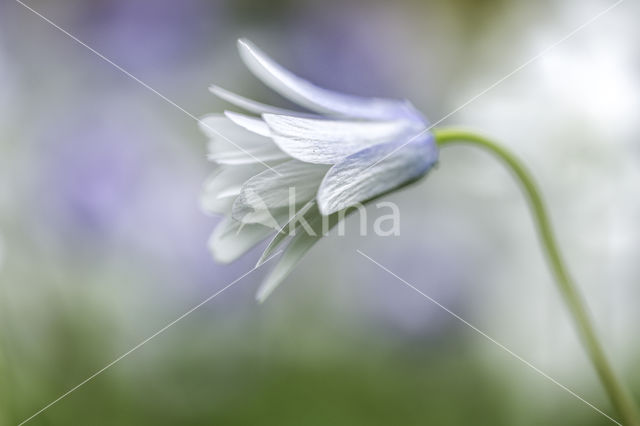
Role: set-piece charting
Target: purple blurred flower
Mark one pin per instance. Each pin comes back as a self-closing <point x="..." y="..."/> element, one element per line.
<point x="7" y="85"/>
<point x="113" y="177"/>
<point x="348" y="48"/>
<point x="150" y="35"/>
<point x="95" y="163"/>
<point x="401" y="307"/>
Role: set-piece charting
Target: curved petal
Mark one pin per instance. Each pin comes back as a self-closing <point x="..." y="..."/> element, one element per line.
<point x="315" y="98"/>
<point x="323" y="141"/>
<point x="292" y="226"/>
<point x="220" y="127"/>
<point x="231" y="239"/>
<point x="287" y="184"/>
<point x="233" y="144"/>
<point x="226" y="154"/>
<point x="246" y="103"/>
<point x="299" y="245"/>
<point x="304" y="237"/>
<point x="224" y="184"/>
<point x="252" y="124"/>
<point x="375" y="171"/>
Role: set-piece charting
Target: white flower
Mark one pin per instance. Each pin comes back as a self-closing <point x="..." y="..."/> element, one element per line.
<point x="347" y="150"/>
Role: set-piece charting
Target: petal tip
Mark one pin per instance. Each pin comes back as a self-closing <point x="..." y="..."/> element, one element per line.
<point x="245" y="45"/>
<point x="216" y="90"/>
<point x="265" y="290"/>
<point x="324" y="207"/>
<point x="243" y="41"/>
<point x="261" y="297"/>
<point x="327" y="204"/>
<point x="220" y="259"/>
<point x="218" y="255"/>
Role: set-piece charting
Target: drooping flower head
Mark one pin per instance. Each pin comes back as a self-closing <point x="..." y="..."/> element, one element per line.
<point x="293" y="171"/>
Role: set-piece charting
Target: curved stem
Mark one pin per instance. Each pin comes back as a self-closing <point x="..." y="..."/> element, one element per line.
<point x="618" y="394"/>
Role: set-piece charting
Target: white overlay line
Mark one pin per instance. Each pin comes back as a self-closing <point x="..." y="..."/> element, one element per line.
<point x="491" y="339"/>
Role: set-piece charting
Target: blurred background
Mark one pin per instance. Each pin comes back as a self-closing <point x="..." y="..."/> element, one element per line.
<point x="102" y="241"/>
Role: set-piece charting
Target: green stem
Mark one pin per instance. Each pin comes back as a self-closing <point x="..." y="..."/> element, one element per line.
<point x="617" y="392"/>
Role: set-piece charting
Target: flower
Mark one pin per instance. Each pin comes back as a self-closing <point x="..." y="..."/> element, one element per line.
<point x="296" y="171"/>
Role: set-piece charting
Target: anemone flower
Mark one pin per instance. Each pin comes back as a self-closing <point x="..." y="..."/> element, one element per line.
<point x="345" y="150"/>
<point x="277" y="167"/>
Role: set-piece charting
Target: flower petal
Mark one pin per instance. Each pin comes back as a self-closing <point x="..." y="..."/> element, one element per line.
<point x="300" y="243"/>
<point x="324" y="141"/>
<point x="375" y="171"/>
<point x="287" y="184"/>
<point x="219" y="127"/>
<point x="315" y="98"/>
<point x="295" y="250"/>
<point x="246" y="103"/>
<point x="224" y="184"/>
<point x="233" y="144"/>
<point x="252" y="124"/>
<point x="292" y="226"/>
<point x="298" y="246"/>
<point x="223" y="153"/>
<point x="231" y="239"/>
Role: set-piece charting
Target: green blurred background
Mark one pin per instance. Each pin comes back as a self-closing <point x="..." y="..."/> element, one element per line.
<point x="102" y="242"/>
